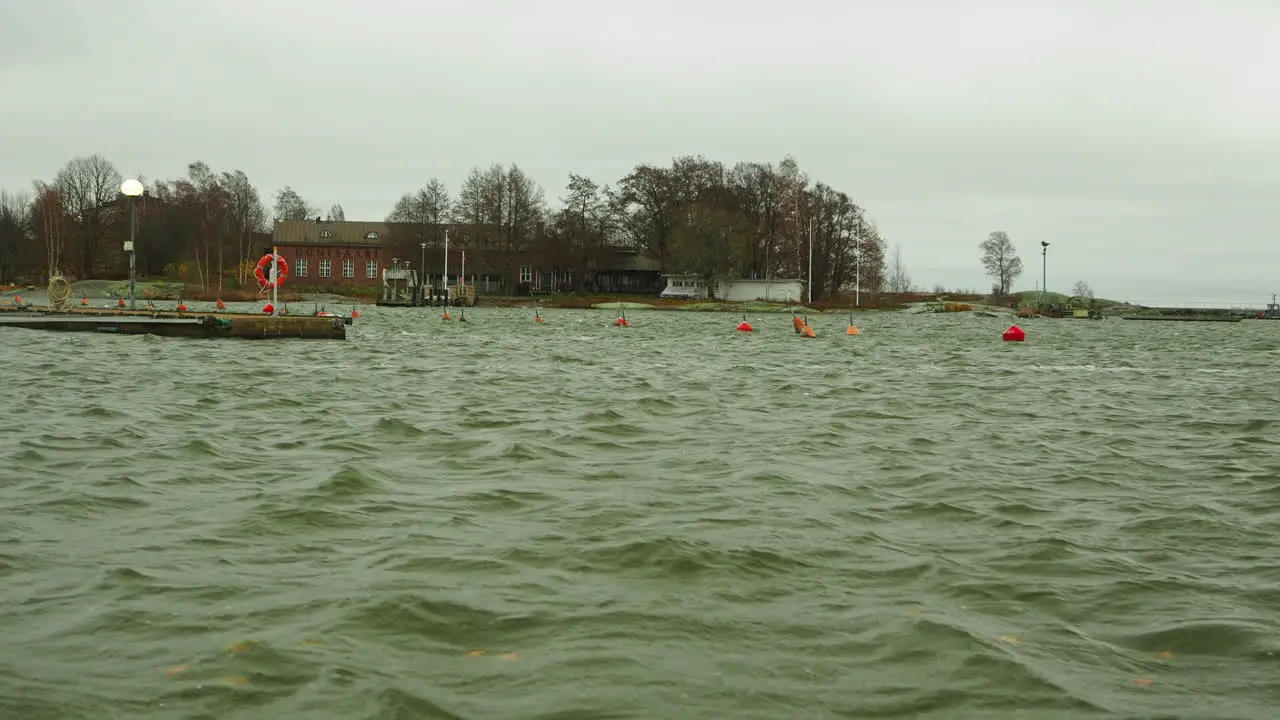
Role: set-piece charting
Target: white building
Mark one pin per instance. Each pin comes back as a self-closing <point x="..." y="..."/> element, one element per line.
<point x="692" y="286"/>
<point x="689" y="286"/>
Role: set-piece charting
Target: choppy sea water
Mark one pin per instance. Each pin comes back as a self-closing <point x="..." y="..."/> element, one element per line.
<point x="500" y="519"/>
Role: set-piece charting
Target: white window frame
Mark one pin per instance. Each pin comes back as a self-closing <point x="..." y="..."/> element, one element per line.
<point x="526" y="274"/>
<point x="300" y="267"/>
<point x="326" y="268"/>
<point x="371" y="269"/>
<point x="348" y="268"/>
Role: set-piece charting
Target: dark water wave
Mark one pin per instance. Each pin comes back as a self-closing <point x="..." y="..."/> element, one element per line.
<point x="570" y="520"/>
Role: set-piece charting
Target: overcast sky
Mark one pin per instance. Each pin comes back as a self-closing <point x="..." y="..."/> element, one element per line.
<point x="1141" y="138"/>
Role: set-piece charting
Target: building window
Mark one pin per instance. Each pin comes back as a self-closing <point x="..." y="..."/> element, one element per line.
<point x="348" y="268"/>
<point x="371" y="269"/>
<point x="325" y="266"/>
<point x="526" y="274"/>
<point x="300" y="267"/>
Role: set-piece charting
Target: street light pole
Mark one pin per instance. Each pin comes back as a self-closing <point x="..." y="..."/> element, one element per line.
<point x="422" y="281"/>
<point x="132" y="189"/>
<point x="810" y="261"/>
<point x="857" y="272"/>
<point x="1044" y="271"/>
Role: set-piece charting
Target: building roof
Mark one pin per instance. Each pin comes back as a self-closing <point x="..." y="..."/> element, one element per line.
<point x="326" y="232"/>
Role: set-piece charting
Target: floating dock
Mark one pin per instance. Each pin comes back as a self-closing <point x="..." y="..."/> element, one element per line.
<point x="1186" y="318"/>
<point x="176" y="324"/>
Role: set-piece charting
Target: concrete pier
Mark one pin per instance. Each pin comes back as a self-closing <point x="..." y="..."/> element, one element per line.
<point x="176" y="324"/>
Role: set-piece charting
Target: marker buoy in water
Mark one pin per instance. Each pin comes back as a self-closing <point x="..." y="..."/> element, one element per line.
<point x="537" y="317"/>
<point x="182" y="307"/>
<point x="268" y="308"/>
<point x="745" y="326"/>
<point x="852" y="329"/>
<point x="84" y="300"/>
<point x="354" y="312"/>
<point x="807" y="331"/>
<point x="798" y="323"/>
<point x="119" y="302"/>
<point x="1013" y="334"/>
<point x="221" y="305"/>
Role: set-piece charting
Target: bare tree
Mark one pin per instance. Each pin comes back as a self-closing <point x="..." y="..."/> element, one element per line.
<point x="1082" y="289"/>
<point x="420" y="217"/>
<point x="49" y="216"/>
<point x="86" y="185"/>
<point x="291" y="206"/>
<point x="248" y="215"/>
<point x="336" y="214"/>
<point x="1001" y="261"/>
<point x="899" y="280"/>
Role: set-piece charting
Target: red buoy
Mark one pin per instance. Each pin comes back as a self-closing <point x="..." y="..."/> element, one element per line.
<point x="221" y="305"/>
<point x="268" y="308"/>
<point x="1013" y="334"/>
<point x="182" y="307"/>
<point x="745" y="326"/>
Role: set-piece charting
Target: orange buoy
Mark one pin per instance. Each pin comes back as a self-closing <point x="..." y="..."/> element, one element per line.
<point x="745" y="326"/>
<point x="852" y="329"/>
<point x="84" y="300"/>
<point x="1014" y="334"/>
<point x="807" y="331"/>
<point x="446" y="316"/>
<point x="798" y="323"/>
<point x="622" y="322"/>
<point x="537" y="317"/>
<point x="268" y="308"/>
<point x="354" y="312"/>
<point x="17" y="299"/>
<point x="119" y="302"/>
<point x="182" y="307"/>
<point x="221" y="305"/>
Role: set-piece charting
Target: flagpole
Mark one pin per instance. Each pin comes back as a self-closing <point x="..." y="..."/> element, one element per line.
<point x="275" y="279"/>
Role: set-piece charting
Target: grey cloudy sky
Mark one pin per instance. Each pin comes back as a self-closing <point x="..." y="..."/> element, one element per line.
<point x="1140" y="137"/>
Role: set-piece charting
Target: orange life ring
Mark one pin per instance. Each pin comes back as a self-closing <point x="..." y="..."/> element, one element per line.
<point x="264" y="265"/>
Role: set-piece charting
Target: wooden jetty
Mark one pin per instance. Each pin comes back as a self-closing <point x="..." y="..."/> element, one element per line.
<point x="1186" y="318"/>
<point x="171" y="323"/>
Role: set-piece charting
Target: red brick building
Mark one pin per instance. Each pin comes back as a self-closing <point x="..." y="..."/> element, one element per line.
<point x="332" y="253"/>
<point x="321" y="252"/>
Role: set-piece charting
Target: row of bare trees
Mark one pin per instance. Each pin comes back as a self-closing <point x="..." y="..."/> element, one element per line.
<point x="696" y="215"/>
<point x="200" y="227"/>
<point x="751" y="219"/>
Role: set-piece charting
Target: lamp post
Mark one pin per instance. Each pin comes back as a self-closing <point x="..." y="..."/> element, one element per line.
<point x="445" y="274"/>
<point x="422" y="281"/>
<point x="857" y="270"/>
<point x="132" y="189"/>
<point x="810" y="261"/>
<point x="1044" y="271"/>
